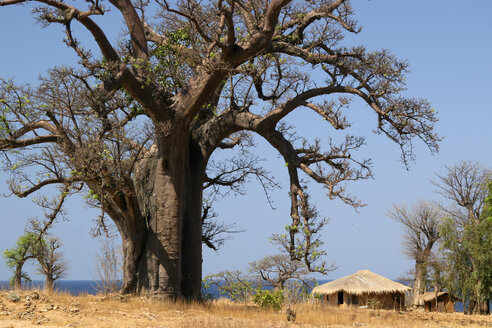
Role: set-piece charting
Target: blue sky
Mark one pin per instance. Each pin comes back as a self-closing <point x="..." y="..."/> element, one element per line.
<point x="449" y="49"/>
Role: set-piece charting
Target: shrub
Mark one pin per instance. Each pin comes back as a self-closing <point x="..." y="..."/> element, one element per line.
<point x="272" y="299"/>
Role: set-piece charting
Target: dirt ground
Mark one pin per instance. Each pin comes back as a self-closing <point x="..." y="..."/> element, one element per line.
<point x="39" y="309"/>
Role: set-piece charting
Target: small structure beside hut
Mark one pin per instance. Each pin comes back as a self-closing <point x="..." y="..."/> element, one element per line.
<point x="364" y="288"/>
<point x="440" y="302"/>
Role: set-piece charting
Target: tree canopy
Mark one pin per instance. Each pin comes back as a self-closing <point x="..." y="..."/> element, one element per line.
<point x="27" y="247"/>
<point x="200" y="77"/>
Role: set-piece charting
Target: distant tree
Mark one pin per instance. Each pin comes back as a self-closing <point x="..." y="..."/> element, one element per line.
<point x="421" y="232"/>
<point x="464" y="186"/>
<point x="296" y="263"/>
<point x="276" y="270"/>
<point x="27" y="248"/>
<point x="302" y="241"/>
<point x="468" y="271"/>
<point x="468" y="256"/>
<point x="108" y="266"/>
<point x="50" y="262"/>
<point x="288" y="273"/>
<point x="233" y="284"/>
<point x="205" y="74"/>
<point x="467" y="234"/>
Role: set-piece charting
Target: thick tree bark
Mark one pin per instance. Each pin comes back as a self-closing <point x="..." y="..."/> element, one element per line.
<point x="155" y="259"/>
<point x="419" y="284"/>
<point x="161" y="234"/>
<point x="192" y="225"/>
<point x="480" y="306"/>
<point x="160" y="190"/>
<point x="49" y="283"/>
<point x="18" y="276"/>
<point x="133" y="236"/>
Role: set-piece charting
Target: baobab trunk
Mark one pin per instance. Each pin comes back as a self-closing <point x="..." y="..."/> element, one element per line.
<point x="49" y="283"/>
<point x="18" y="276"/>
<point x="160" y="192"/>
<point x="419" y="284"/>
<point x="161" y="226"/>
<point x="163" y="253"/>
<point x="191" y="262"/>
<point x="133" y="232"/>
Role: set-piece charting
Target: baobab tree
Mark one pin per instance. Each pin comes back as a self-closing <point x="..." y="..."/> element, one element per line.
<point x="421" y="232"/>
<point x="206" y="72"/>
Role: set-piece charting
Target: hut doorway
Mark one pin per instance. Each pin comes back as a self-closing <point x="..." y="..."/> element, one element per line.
<point x="340" y="297"/>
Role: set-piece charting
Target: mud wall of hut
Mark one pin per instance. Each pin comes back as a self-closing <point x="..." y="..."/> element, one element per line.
<point x="444" y="304"/>
<point x="388" y="301"/>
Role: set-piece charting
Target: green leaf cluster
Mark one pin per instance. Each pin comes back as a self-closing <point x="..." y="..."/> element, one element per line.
<point x="231" y="284"/>
<point x="269" y="299"/>
<point x="26" y="247"/>
<point x="468" y="254"/>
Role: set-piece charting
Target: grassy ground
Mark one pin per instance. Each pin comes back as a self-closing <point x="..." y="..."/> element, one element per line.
<point x="34" y="309"/>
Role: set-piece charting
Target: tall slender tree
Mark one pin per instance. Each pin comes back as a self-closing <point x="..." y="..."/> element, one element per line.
<point x="202" y="72"/>
<point x="421" y="232"/>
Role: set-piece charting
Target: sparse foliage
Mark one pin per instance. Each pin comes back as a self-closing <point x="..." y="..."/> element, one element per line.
<point x="421" y="232"/>
<point x="108" y="267"/>
<point x="302" y="241"/>
<point x="464" y="186"/>
<point x="203" y="73"/>
<point x="50" y="262"/>
<point x="233" y="284"/>
<point x="276" y="270"/>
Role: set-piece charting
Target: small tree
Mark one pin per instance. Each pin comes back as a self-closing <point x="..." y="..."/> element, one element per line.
<point x="51" y="262"/>
<point x="276" y="270"/>
<point x="108" y="267"/>
<point x="26" y="248"/>
<point x="305" y="233"/>
<point x="233" y="284"/>
<point x="290" y="271"/>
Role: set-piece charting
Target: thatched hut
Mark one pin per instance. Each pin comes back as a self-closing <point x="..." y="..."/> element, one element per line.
<point x="440" y="302"/>
<point x="363" y="288"/>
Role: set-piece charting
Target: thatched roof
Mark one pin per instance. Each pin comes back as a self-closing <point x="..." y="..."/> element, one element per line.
<point x="361" y="282"/>
<point x="430" y="296"/>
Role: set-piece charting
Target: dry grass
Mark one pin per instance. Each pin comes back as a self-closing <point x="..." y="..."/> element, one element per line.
<point x="64" y="310"/>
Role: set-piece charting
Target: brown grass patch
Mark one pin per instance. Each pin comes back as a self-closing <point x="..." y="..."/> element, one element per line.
<point x="65" y="310"/>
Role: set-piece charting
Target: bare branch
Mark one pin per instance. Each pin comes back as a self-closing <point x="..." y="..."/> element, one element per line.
<point x="465" y="185"/>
